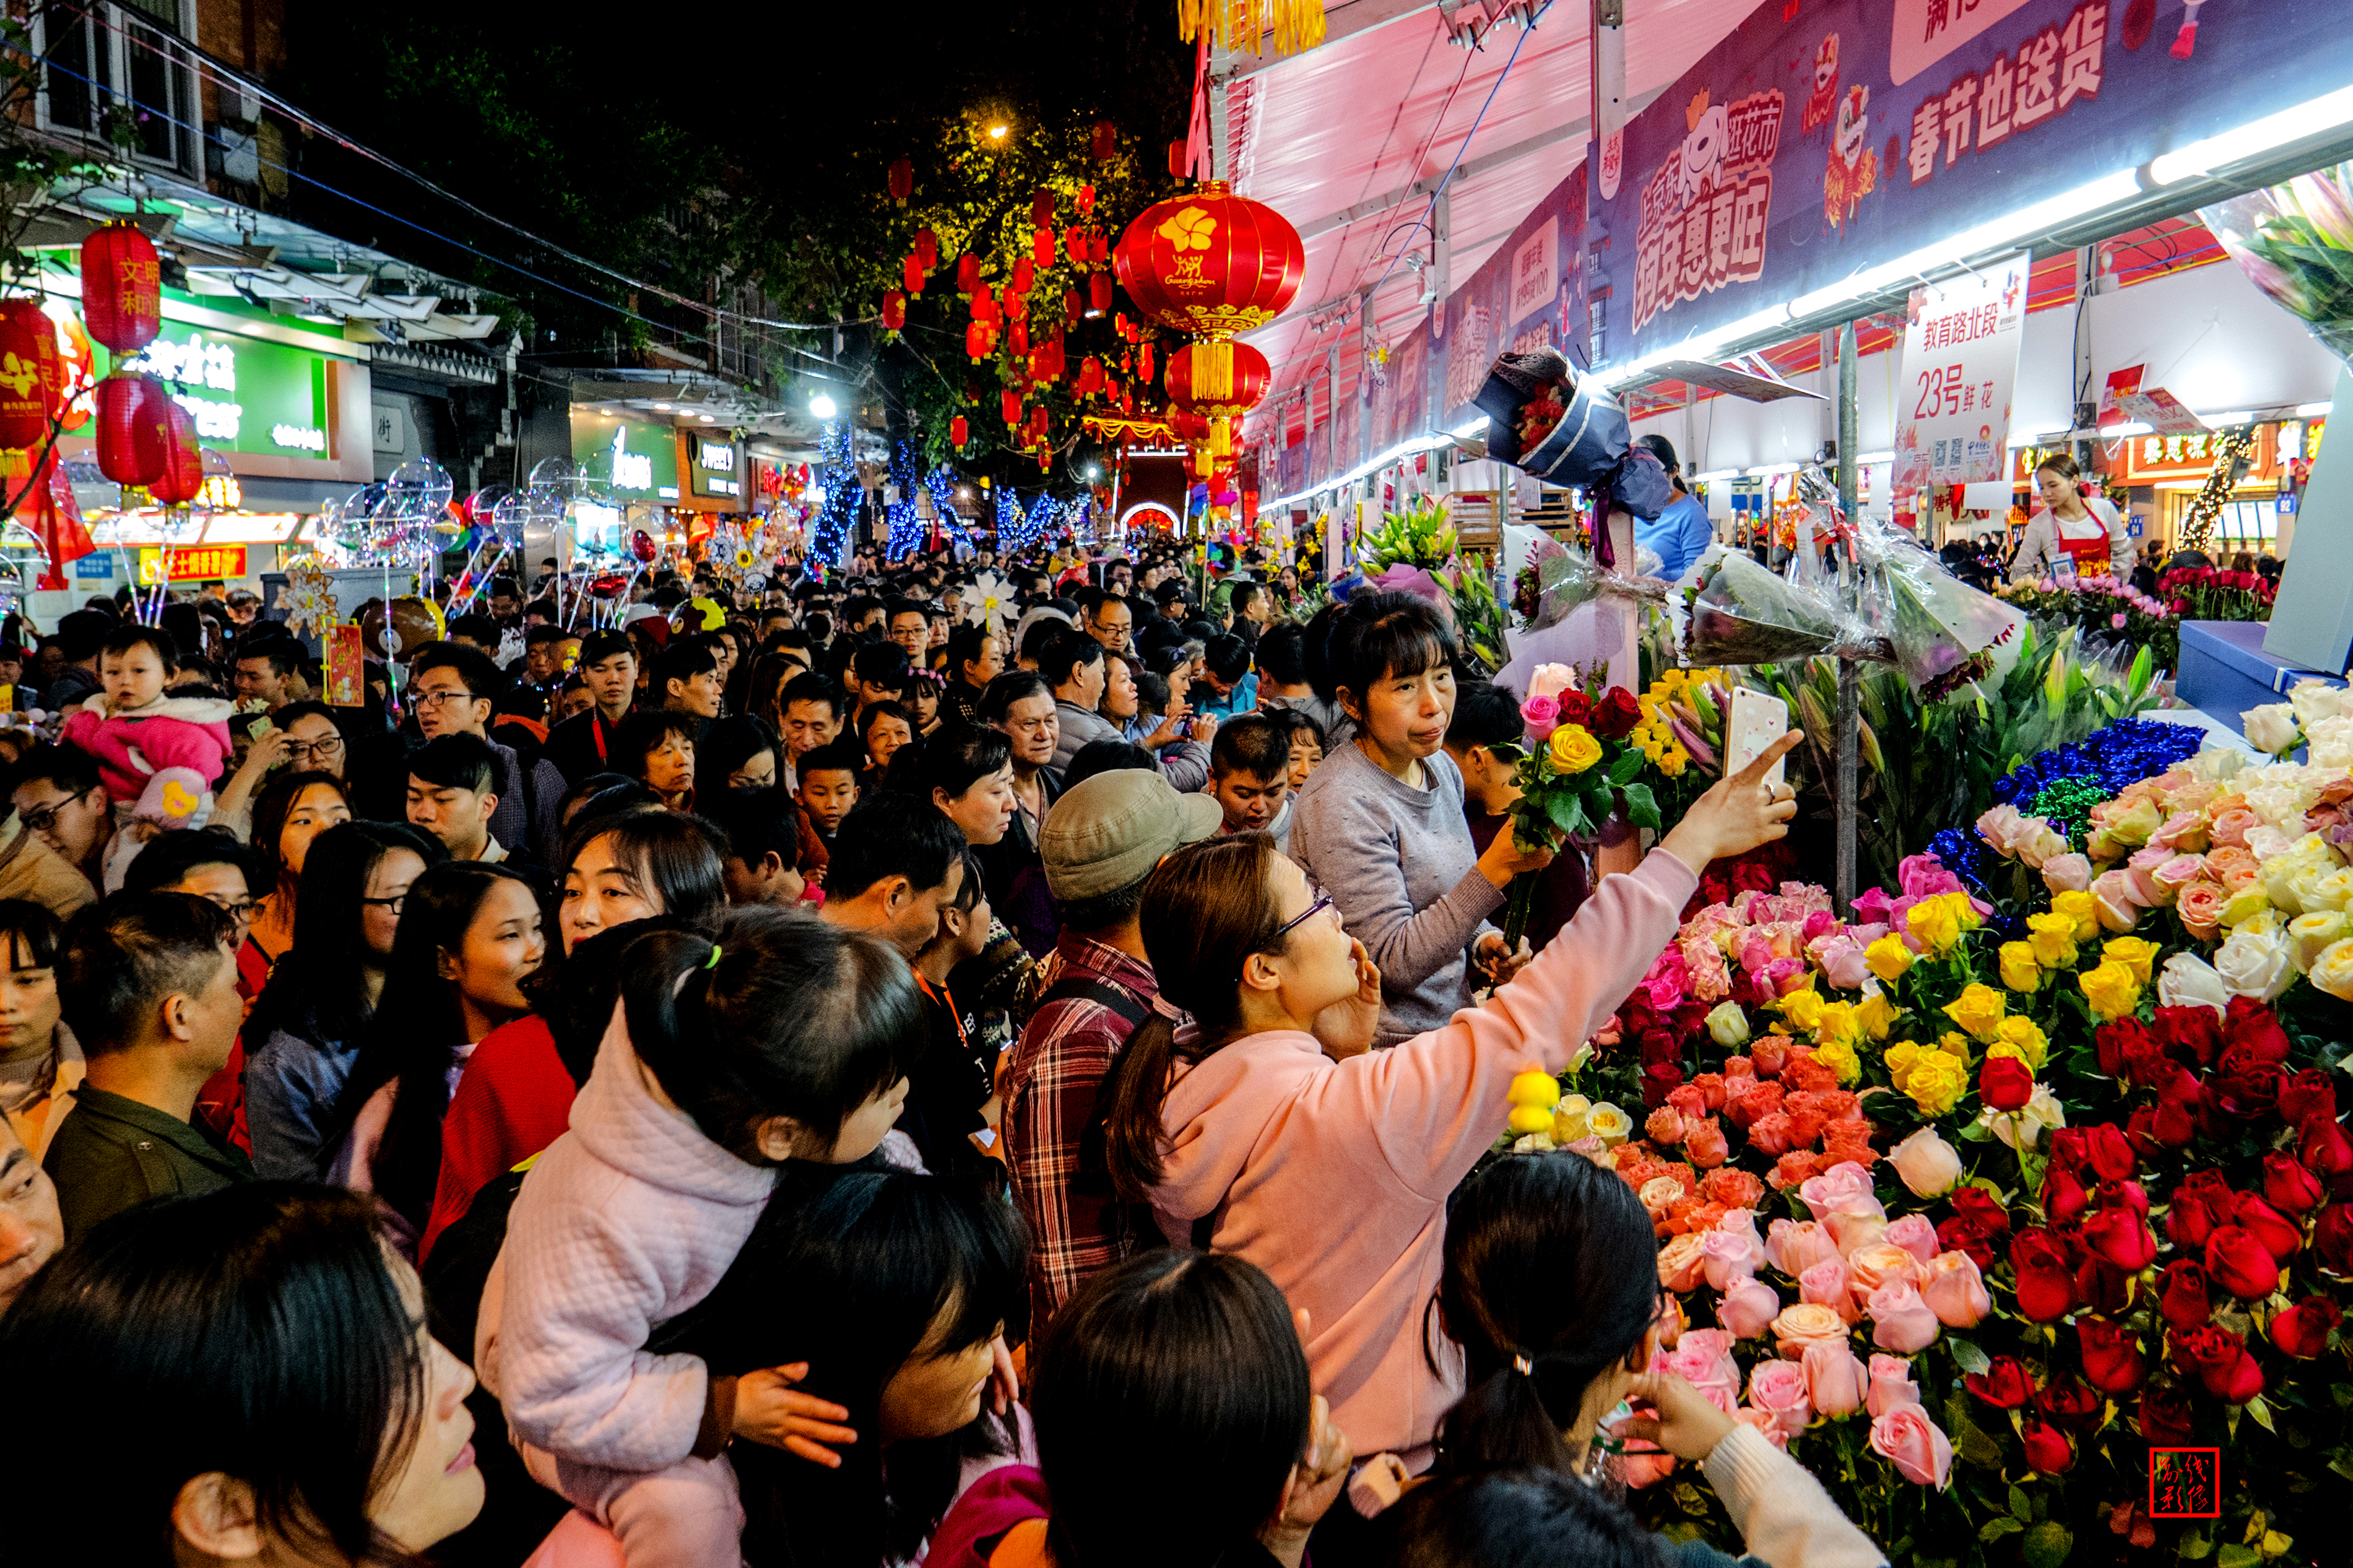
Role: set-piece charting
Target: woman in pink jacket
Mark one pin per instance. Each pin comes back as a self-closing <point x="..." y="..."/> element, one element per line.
<point x="1333" y="1176"/>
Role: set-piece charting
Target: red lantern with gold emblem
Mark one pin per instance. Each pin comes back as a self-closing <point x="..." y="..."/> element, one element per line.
<point x="132" y="420"/>
<point x="1090" y="376"/>
<point x="1212" y="263"/>
<point x="121" y="288"/>
<point x="979" y="340"/>
<point x="1221" y="379"/>
<point x="902" y="180"/>
<point x="894" y="310"/>
<point x="29" y="375"/>
<point x="958" y="432"/>
<point x="183" y="479"/>
<point x="927" y="249"/>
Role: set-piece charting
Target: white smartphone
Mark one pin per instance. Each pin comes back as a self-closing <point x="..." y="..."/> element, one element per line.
<point x="1757" y="719"/>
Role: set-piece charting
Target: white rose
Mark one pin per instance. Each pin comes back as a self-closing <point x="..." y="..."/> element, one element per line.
<point x="2043" y="846"/>
<point x="2316" y="699"/>
<point x="2333" y="970"/>
<point x="1728" y="1025"/>
<point x="2218" y="764"/>
<point x="2189" y="980"/>
<point x="2332" y="742"/>
<point x="2309" y="933"/>
<point x="2040" y="1114"/>
<point x="2254" y="963"/>
<point x="1925" y="1163"/>
<point x="2272" y="729"/>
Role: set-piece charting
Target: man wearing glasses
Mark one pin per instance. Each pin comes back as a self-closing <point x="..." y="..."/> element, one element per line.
<point x="1111" y="622"/>
<point x="449" y="687"/>
<point x="61" y="804"/>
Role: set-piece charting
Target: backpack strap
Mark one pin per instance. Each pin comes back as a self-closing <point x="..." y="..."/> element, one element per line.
<point x="1076" y="988"/>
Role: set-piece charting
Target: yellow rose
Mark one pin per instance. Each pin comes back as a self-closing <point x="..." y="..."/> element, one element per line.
<point x="2111" y="990"/>
<point x="1875" y="1015"/>
<point x="1569" y="1120"/>
<point x="1607" y="1122"/>
<point x="2052" y="937"/>
<point x="1803" y="1009"/>
<point x="2245" y="904"/>
<point x="1932" y="922"/>
<point x="1979" y="1010"/>
<point x="1901" y="1059"/>
<point x="2081" y="908"/>
<point x="1888" y="957"/>
<point x="2020" y="1033"/>
<point x="1937" y="1083"/>
<point x="1673" y="760"/>
<point x="1536" y="1088"/>
<point x="1574" y="749"/>
<point x="2020" y="971"/>
<point x="1955" y="1045"/>
<point x="1964" y="910"/>
<point x="1839" y="1057"/>
<point x="2133" y="954"/>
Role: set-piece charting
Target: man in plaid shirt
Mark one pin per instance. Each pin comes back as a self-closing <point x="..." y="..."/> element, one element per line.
<point x="1100" y="842"/>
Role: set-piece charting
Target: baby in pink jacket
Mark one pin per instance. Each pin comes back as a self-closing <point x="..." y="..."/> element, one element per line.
<point x="158" y="756"/>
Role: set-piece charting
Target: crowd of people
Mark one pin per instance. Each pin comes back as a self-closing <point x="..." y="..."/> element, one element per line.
<point x="811" y="1077"/>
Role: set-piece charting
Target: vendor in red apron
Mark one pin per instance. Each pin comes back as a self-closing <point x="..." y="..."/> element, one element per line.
<point x="2087" y="530"/>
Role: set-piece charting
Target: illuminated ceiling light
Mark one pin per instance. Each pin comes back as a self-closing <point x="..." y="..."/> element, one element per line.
<point x="2312" y="410"/>
<point x="661" y="408"/>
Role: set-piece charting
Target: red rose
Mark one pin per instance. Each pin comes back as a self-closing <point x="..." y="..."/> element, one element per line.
<point x="2122" y="1041"/>
<point x="2112" y="1360"/>
<point x="1659" y="1080"/>
<point x="2100" y="1286"/>
<point x="1615" y="716"/>
<point x="1981" y="1210"/>
<point x="2047" y="1448"/>
<point x="2251" y="1027"/>
<point x="2121" y="1239"/>
<point x="2302" y="1330"/>
<point x="1575" y="709"/>
<point x="2005" y="1083"/>
<point x="2308" y="1093"/>
<point x="2245" y="1084"/>
<point x="2332" y="1237"/>
<point x="2181" y="1296"/>
<point x="2165" y="1418"/>
<point x="2189" y="1034"/>
<point x="2123" y="1194"/>
<point x="2191" y="1215"/>
<point x="2173" y="1124"/>
<point x="2140" y="1132"/>
<point x="2220" y="1360"/>
<point x="2067" y="1400"/>
<point x="2280" y="1236"/>
<point x="2240" y="1264"/>
<point x="2325" y="1151"/>
<point x="2111" y="1158"/>
<point x="2046" y="1280"/>
<point x="2288" y="1186"/>
<point x="2005" y="1385"/>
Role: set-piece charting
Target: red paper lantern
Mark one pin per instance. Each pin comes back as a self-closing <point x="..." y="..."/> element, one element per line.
<point x="1090" y="376"/>
<point x="1074" y="242"/>
<point x="968" y="273"/>
<point x="1025" y="275"/>
<point x="1099" y="291"/>
<point x="1041" y="248"/>
<point x="1016" y="333"/>
<point x="894" y="310"/>
<point x="913" y="273"/>
<point x="132" y="420"/>
<point x="1144" y="362"/>
<point x="958" y="432"/>
<point x="121" y="288"/>
<point x="1041" y="207"/>
<point x="1099" y="248"/>
<point x="1193" y="429"/>
<point x="1016" y="308"/>
<point x="1177" y="161"/>
<point x="1212" y="263"/>
<point x="1106" y="142"/>
<point x="1071" y="307"/>
<point x="979" y="340"/>
<point x="1221" y="379"/>
<point x="983" y="305"/>
<point x="1038" y="424"/>
<point x="902" y="180"/>
<point x="1009" y="401"/>
<point x="28" y="375"/>
<point x="927" y="249"/>
<point x="183" y="478"/>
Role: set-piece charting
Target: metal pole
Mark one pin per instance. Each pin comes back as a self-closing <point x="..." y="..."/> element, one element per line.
<point x="1848" y="682"/>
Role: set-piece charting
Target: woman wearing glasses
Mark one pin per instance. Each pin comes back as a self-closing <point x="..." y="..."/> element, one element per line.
<point x="302" y="737"/>
<point x="305" y="1030"/>
<point x="1274" y="1134"/>
<point x="294" y="809"/>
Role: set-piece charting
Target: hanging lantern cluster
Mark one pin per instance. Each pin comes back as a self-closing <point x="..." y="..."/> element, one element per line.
<point x="140" y="428"/>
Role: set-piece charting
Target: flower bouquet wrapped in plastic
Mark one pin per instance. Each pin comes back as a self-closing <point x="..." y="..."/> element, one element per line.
<point x="2295" y="242"/>
<point x="1940" y="631"/>
<point x="1743" y="613"/>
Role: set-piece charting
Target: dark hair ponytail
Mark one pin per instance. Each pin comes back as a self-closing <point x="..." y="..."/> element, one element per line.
<point x="1548" y="1261"/>
<point x="779" y="1014"/>
<point x="1205" y="910"/>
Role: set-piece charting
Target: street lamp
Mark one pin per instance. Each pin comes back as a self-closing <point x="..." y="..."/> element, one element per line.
<point x="822" y="407"/>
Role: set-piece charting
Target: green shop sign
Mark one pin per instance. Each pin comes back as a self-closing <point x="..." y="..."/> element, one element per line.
<point x="245" y="393"/>
<point x="638" y="460"/>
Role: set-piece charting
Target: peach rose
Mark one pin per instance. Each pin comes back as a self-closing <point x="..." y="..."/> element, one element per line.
<point x="1845" y="1188"/>
<point x="1681" y="1261"/>
<point x="2067" y="873"/>
<point x="1778" y="1389"/>
<point x="1765" y="1421"/>
<point x="1881" y="1263"/>
<point x="1658" y="1194"/>
<point x="1795" y="1246"/>
<point x="1907" y="1439"/>
<point x="1705" y="1141"/>
<point x="1915" y="1234"/>
<point x="1854" y="1232"/>
<point x="1835" y="1380"/>
<point x="1900" y="1320"/>
<point x="1804" y="1323"/>
<point x="1955" y="1290"/>
<point x="2200" y="909"/>
<point x="1926" y="1165"/>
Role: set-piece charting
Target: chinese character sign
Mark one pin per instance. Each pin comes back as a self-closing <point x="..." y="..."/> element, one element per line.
<point x="1818" y="141"/>
<point x="1960" y="361"/>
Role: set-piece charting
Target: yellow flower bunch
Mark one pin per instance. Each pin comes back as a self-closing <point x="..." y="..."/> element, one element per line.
<point x="1838" y="1054"/>
<point x="1938" y="922"/>
<point x="2081" y="908"/>
<point x="1838" y="1023"/>
<point x="1574" y="749"/>
<point x="2021" y="1035"/>
<point x="2132" y="953"/>
<point x="2052" y="937"/>
<point x="1978" y="1009"/>
<point x="2111" y="988"/>
<point x="2020" y="971"/>
<point x="1876" y="1014"/>
<point x="1802" y="1008"/>
<point x="1933" y="1079"/>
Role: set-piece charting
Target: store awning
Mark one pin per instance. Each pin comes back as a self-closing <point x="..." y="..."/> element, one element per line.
<point x="1350" y="140"/>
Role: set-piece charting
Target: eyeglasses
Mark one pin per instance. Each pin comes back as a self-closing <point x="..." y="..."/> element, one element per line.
<point x="392" y="903"/>
<point x="41" y="819"/>
<point x="302" y="750"/>
<point x="1274" y="937"/>
<point x="238" y="910"/>
<point x="436" y="699"/>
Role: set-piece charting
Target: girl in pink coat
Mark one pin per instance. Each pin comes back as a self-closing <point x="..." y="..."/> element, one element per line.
<point x="158" y="756"/>
<point x="1333" y="1176"/>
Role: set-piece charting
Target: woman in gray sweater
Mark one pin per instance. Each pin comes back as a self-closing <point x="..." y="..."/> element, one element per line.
<point x="1379" y="825"/>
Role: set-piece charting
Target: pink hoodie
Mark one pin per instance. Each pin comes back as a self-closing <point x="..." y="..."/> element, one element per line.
<point x="1332" y="1176"/>
<point x="169" y="733"/>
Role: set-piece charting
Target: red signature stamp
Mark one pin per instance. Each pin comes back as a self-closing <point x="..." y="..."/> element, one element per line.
<point x="2185" y="1483"/>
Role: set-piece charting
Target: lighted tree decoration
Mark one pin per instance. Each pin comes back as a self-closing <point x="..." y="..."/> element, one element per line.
<point x="841" y="489"/>
<point x="2231" y="448"/>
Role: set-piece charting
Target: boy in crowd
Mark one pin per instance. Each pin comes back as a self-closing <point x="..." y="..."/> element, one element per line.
<point x="1250" y="775"/>
<point x="763" y="831"/>
<point x="828" y="788"/>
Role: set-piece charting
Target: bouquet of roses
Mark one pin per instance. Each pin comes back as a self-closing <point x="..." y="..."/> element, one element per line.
<point x="2102" y="606"/>
<point x="2205" y="594"/>
<point x="1578" y="769"/>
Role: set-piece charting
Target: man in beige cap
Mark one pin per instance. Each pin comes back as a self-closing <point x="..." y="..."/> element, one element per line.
<point x="1101" y="841"/>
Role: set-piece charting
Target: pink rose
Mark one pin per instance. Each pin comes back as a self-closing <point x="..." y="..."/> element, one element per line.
<point x="2067" y="873"/>
<point x="1681" y="1261"/>
<point x="1749" y="1309"/>
<point x="1742" y="1222"/>
<point x="2119" y="900"/>
<point x="1881" y="1263"/>
<point x="1835" y="1381"/>
<point x="1845" y="1188"/>
<point x="1710" y="977"/>
<point x="1795" y="1246"/>
<point x="1765" y="1421"/>
<point x="1854" y="1232"/>
<point x="1708" y="1373"/>
<point x="1841" y="961"/>
<point x="1955" y="1290"/>
<point x="2176" y="874"/>
<point x="1724" y="1258"/>
<point x="1784" y="976"/>
<point x="2184" y="833"/>
<point x="1907" y="1438"/>
<point x="1829" y="1284"/>
<point x="1714" y="1343"/>
<point x="1915" y="1234"/>
<point x="1900" y="1320"/>
<point x="2200" y="905"/>
<point x="1549" y="680"/>
<point x="1778" y="1389"/>
<point x="2231" y="827"/>
<point x="1891" y="1384"/>
<point x="1542" y="716"/>
<point x="1807" y="1323"/>
<point x="2003" y="827"/>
